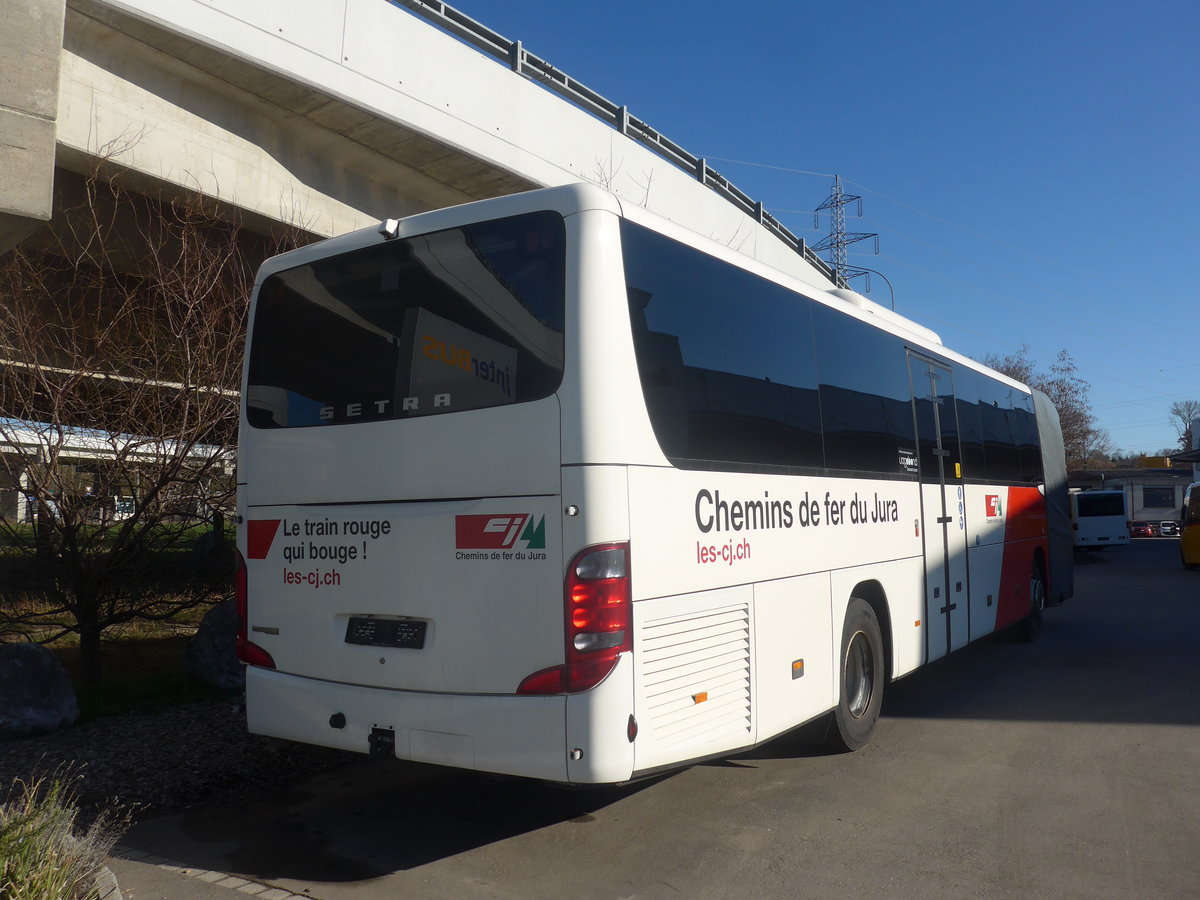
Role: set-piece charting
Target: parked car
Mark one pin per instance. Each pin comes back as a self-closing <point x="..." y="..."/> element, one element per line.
<point x="1168" y="528"/>
<point x="1141" y="529"/>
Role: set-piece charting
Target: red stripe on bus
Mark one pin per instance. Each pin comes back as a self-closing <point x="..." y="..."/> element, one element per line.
<point x="1024" y="533"/>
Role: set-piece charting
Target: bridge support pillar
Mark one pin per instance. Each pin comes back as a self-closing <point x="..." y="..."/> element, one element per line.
<point x="30" y="53"/>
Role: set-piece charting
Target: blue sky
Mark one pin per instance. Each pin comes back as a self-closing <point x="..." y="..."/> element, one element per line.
<point x="1032" y="169"/>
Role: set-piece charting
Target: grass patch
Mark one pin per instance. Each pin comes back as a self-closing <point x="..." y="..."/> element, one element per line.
<point x="144" y="673"/>
<point x="42" y="853"/>
<point x="39" y="621"/>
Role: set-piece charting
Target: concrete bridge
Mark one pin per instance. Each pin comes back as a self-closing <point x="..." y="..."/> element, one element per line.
<point x="328" y="115"/>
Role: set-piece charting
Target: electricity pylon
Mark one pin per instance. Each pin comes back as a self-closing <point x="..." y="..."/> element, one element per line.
<point x="839" y="238"/>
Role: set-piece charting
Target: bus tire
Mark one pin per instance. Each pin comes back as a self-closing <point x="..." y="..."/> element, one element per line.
<point x="1030" y="627"/>
<point x="862" y="670"/>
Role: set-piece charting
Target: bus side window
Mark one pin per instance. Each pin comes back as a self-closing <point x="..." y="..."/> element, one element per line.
<point x="660" y="362"/>
<point x="1192" y="511"/>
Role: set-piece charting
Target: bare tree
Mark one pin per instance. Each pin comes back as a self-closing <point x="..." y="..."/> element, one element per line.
<point x="1087" y="445"/>
<point x="121" y="339"/>
<point x="1183" y="413"/>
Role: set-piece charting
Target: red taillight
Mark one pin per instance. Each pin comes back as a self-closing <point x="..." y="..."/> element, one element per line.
<point x="599" y="625"/>
<point x="250" y="654"/>
<point x="546" y="681"/>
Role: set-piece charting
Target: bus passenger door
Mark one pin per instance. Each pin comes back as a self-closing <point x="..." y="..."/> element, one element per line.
<point x="943" y="524"/>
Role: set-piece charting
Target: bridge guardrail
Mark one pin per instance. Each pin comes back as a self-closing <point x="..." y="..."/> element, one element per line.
<point x="535" y="68"/>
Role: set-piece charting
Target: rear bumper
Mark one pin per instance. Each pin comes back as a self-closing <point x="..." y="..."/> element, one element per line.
<point x="510" y="735"/>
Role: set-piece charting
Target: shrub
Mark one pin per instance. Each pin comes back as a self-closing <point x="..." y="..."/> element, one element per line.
<point x="42" y="853"/>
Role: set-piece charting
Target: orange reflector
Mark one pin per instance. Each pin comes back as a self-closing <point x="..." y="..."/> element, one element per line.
<point x="917" y="624"/>
<point x="700" y="697"/>
<point x="797" y="669"/>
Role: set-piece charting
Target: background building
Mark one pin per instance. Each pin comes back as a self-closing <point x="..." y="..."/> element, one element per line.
<point x="1153" y="494"/>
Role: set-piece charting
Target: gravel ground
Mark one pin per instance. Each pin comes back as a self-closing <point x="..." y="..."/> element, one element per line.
<point x="154" y="761"/>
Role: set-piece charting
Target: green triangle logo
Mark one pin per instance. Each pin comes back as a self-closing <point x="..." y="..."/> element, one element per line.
<point x="535" y="536"/>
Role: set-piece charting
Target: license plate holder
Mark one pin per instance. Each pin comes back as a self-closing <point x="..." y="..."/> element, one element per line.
<point x="406" y="634"/>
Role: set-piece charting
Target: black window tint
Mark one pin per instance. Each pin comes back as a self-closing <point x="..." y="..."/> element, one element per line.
<point x="999" y="434"/>
<point x="866" y="408"/>
<point x="1029" y="444"/>
<point x="937" y="420"/>
<point x="725" y="358"/>
<point x="454" y="320"/>
<point x="1099" y="504"/>
<point x="970" y="424"/>
<point x="948" y="418"/>
<point x="739" y="372"/>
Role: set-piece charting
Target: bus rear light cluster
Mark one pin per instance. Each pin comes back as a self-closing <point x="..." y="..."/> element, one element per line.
<point x="249" y="653"/>
<point x="599" y="625"/>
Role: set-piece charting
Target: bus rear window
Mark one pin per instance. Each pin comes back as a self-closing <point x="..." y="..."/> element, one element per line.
<point x="1100" y="504"/>
<point x="454" y="320"/>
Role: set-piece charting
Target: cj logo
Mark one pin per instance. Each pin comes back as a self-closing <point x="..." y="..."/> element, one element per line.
<point x="500" y="532"/>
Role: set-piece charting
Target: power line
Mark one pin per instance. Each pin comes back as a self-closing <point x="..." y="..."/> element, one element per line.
<point x="742" y="162"/>
<point x="979" y="234"/>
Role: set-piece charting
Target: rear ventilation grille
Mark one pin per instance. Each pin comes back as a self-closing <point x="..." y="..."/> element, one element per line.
<point x="696" y="675"/>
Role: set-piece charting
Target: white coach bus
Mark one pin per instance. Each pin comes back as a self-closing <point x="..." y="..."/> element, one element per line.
<point x="546" y="485"/>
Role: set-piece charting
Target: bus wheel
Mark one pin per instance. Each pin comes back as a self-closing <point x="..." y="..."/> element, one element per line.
<point x="1029" y="629"/>
<point x="863" y="677"/>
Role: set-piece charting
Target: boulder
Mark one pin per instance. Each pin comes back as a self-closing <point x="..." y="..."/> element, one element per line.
<point x="36" y="695"/>
<point x="212" y="652"/>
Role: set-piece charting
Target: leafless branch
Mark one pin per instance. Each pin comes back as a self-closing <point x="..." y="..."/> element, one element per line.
<point x="120" y="361"/>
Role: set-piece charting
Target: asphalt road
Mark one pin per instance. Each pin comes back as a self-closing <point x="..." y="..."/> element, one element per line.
<point x="1063" y="768"/>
